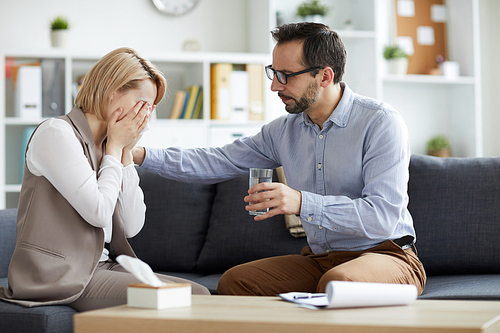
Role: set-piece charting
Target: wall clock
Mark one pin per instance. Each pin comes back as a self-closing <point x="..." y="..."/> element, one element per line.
<point x="175" y="7"/>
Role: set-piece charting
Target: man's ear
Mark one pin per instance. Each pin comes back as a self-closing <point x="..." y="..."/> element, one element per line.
<point x="328" y="76"/>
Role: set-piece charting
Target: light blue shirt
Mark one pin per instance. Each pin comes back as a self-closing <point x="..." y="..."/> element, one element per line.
<point x="353" y="174"/>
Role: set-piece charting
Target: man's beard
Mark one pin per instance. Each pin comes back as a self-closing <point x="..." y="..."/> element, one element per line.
<point x="305" y="101"/>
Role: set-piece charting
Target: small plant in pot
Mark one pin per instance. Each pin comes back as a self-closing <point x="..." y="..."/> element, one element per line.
<point x="397" y="60"/>
<point x="312" y="11"/>
<point x="59" y="33"/>
<point x="439" y="146"/>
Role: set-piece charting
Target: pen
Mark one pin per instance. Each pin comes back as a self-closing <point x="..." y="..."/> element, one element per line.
<point x="306" y="296"/>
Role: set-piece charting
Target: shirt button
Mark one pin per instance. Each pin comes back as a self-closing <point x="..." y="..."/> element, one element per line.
<point x="334" y="228"/>
<point x="309" y="219"/>
<point x="320" y="136"/>
<point x="319" y="165"/>
<point x="320" y="227"/>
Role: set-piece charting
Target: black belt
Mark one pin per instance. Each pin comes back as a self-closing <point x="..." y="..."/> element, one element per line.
<point x="405" y="241"/>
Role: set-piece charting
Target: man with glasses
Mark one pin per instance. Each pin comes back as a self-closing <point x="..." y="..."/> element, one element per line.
<point x="346" y="160"/>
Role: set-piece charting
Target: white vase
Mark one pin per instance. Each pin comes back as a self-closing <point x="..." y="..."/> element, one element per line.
<point x="314" y="18"/>
<point x="59" y="38"/>
<point x="397" y="66"/>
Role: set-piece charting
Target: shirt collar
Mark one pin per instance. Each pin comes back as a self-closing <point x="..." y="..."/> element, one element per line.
<point x="339" y="116"/>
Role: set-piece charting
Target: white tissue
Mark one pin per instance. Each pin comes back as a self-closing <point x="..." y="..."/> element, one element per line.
<point x="140" y="270"/>
<point x="150" y="110"/>
<point x="145" y="128"/>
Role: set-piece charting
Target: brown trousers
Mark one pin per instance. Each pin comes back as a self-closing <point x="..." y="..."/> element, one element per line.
<point x="108" y="287"/>
<point x="309" y="272"/>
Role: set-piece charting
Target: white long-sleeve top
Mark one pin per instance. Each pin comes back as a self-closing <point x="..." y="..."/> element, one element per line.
<point x="56" y="154"/>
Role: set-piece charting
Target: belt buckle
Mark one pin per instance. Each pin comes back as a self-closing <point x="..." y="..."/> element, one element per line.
<point x="407" y="246"/>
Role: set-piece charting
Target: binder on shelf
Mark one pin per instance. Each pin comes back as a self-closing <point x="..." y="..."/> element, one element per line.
<point x="220" y="77"/>
<point x="180" y="96"/>
<point x="52" y="87"/>
<point x="239" y="96"/>
<point x="28" y="94"/>
<point x="255" y="92"/>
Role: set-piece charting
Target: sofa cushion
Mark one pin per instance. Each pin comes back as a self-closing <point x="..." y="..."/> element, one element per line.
<point x="209" y="281"/>
<point x="455" y="204"/>
<point x="42" y="319"/>
<point x="176" y="222"/>
<point x="476" y="287"/>
<point x="234" y="237"/>
<point x="7" y="238"/>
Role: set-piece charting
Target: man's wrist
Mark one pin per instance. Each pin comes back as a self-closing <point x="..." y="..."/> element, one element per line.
<point x="139" y="154"/>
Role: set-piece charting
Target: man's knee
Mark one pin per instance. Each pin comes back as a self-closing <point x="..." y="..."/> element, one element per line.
<point x="230" y="283"/>
<point x="334" y="274"/>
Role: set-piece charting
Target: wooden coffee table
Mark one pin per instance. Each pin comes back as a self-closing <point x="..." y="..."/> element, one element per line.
<point x="271" y="314"/>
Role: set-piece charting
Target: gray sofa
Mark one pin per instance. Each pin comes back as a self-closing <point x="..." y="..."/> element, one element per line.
<point x="198" y="231"/>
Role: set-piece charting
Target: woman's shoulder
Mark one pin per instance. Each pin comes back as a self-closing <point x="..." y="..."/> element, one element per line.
<point x="54" y="127"/>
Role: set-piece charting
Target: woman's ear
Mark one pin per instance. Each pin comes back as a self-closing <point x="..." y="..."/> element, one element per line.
<point x="328" y="76"/>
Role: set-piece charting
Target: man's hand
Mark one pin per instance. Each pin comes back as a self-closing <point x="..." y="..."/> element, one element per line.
<point x="283" y="200"/>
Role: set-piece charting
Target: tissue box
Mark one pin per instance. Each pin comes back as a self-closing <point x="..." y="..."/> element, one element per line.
<point x="172" y="295"/>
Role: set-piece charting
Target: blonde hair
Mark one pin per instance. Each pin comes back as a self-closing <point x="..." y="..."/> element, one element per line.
<point x="120" y="70"/>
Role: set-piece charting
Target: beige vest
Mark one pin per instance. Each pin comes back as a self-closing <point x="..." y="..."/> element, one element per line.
<point x="56" y="250"/>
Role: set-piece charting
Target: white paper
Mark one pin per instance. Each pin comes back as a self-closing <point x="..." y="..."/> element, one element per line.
<point x="342" y="294"/>
<point x="406" y="8"/>
<point x="140" y="270"/>
<point x="438" y="13"/>
<point x="425" y="35"/>
<point x="406" y="44"/>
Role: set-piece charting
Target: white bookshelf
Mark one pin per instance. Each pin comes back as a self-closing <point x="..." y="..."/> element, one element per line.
<point x="430" y="105"/>
<point x="180" y="69"/>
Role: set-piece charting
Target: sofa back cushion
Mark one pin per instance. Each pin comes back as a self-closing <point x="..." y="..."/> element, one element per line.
<point x="455" y="204"/>
<point x="176" y="222"/>
<point x="234" y="237"/>
<point x="8" y="219"/>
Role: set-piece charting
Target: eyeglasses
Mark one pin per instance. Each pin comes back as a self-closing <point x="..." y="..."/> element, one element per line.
<point x="283" y="77"/>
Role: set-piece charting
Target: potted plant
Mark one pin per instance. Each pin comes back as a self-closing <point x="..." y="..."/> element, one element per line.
<point x="59" y="33"/>
<point x="397" y="60"/>
<point x="312" y="11"/>
<point x="439" y="146"/>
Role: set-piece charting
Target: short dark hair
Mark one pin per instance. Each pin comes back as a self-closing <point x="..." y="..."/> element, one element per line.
<point x="322" y="46"/>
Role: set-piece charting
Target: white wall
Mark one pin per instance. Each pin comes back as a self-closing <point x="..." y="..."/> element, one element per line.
<point x="102" y="25"/>
<point x="98" y="26"/>
<point x="489" y="11"/>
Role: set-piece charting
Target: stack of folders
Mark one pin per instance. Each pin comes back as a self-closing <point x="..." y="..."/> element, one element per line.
<point x="188" y="103"/>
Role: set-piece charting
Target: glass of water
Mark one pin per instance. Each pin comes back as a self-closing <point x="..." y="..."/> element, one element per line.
<point x="259" y="176"/>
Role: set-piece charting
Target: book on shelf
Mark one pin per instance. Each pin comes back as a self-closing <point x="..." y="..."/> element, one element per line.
<point x="194" y="91"/>
<point x="220" y="81"/>
<point x="184" y="105"/>
<point x="188" y="103"/>
<point x="198" y="108"/>
<point x="180" y="97"/>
